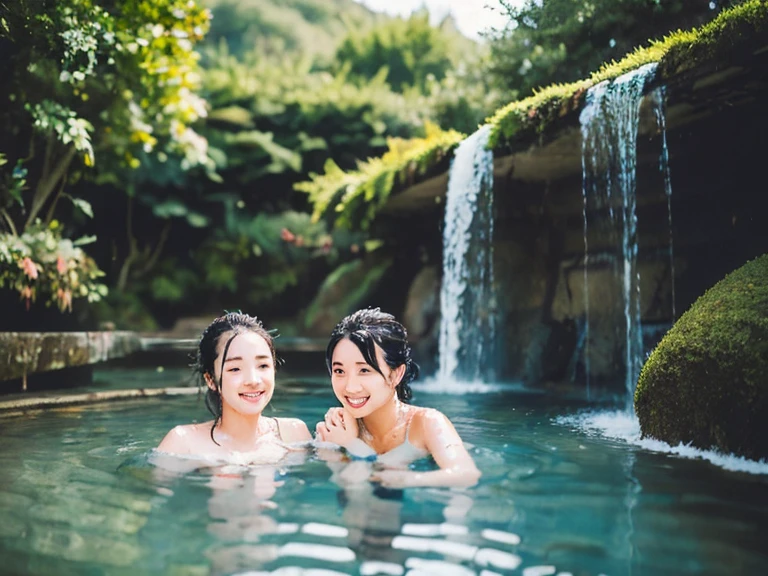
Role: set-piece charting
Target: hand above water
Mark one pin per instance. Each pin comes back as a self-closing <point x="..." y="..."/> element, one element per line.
<point x="339" y="427"/>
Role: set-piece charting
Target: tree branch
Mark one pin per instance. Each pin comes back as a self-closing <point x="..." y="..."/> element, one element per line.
<point x="153" y="258"/>
<point x="122" y="279"/>
<point x="55" y="201"/>
<point x="8" y="221"/>
<point x="46" y="185"/>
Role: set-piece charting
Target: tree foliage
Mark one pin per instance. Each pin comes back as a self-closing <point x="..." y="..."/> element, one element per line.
<point x="407" y="52"/>
<point x="553" y="41"/>
<point x="91" y="89"/>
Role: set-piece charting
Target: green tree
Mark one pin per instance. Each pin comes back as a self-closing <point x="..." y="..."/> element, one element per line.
<point x="551" y="41"/>
<point x="90" y="89"/>
<point x="409" y="51"/>
<point x="94" y="85"/>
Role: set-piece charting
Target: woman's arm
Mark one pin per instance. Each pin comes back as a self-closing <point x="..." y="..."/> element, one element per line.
<point x="293" y="430"/>
<point x="457" y="469"/>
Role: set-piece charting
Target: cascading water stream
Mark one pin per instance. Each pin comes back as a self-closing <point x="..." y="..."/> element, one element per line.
<point x="609" y="124"/>
<point x="659" y="98"/>
<point x="467" y="301"/>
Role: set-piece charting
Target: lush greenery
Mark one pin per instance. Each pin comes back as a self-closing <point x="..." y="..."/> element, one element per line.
<point x="270" y="28"/>
<point x="89" y="93"/>
<point x="199" y="142"/>
<point x="704" y="384"/>
<point x="239" y="168"/>
<point x="40" y="263"/>
<point x="522" y="119"/>
<point x="737" y="27"/>
<point x="358" y="194"/>
<point x="562" y="41"/>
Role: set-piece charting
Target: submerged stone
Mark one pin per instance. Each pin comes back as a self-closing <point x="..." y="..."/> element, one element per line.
<point x="705" y="383"/>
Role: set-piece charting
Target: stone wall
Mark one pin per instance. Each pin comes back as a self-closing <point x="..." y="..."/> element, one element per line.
<point x="716" y="135"/>
<point x="26" y="353"/>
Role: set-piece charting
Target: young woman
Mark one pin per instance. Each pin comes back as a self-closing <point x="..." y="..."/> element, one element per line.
<point x="371" y="367"/>
<point x="236" y="361"/>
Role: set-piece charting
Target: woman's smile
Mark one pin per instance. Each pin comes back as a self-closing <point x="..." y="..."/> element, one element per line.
<point x="357" y="402"/>
<point x="253" y="397"/>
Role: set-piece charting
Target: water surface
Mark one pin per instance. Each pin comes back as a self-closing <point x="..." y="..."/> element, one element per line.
<point x="78" y="497"/>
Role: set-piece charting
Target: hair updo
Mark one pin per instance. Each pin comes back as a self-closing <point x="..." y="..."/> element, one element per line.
<point x="233" y="324"/>
<point x="368" y="328"/>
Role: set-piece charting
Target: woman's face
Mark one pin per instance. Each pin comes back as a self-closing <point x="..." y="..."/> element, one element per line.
<point x="248" y="377"/>
<point x="357" y="385"/>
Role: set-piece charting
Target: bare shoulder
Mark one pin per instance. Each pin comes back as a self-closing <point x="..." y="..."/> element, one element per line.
<point x="293" y="430"/>
<point x="428" y="425"/>
<point x="428" y="418"/>
<point x="184" y="439"/>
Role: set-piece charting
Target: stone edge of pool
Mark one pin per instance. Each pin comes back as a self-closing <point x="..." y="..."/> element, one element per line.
<point x="60" y="400"/>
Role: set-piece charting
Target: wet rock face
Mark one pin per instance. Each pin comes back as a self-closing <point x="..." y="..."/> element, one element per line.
<point x="27" y="353"/>
<point x="705" y="382"/>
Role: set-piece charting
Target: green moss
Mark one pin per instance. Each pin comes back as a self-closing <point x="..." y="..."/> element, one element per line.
<point x="705" y="383"/>
<point x="357" y="195"/>
<point x="736" y="29"/>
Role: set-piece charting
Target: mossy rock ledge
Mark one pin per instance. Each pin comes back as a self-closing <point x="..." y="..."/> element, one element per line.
<point x="706" y="383"/>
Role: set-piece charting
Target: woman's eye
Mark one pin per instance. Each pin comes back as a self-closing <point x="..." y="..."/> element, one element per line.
<point x="235" y="369"/>
<point x="264" y="366"/>
<point x="338" y="371"/>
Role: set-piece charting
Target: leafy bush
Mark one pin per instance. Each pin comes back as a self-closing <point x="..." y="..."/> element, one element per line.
<point x="40" y="263"/>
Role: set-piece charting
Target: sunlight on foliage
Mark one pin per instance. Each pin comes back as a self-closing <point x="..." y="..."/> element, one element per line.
<point x="359" y="194"/>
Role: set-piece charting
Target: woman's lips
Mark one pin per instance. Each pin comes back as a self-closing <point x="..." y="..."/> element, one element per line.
<point x="252" y="396"/>
<point x="357" y="402"/>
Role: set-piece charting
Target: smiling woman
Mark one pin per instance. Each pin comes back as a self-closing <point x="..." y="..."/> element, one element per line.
<point x="236" y="361"/>
<point x="371" y="367"/>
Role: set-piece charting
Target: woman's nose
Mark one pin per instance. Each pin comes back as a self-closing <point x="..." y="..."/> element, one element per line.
<point x="353" y="385"/>
<point x="254" y="376"/>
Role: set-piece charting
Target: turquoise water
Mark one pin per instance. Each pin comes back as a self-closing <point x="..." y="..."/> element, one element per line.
<point x="78" y="497"/>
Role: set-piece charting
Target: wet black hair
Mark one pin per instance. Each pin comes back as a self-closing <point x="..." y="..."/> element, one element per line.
<point x="371" y="327"/>
<point x="235" y="323"/>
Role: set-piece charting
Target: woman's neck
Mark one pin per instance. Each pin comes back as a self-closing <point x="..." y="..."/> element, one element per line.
<point x="240" y="431"/>
<point x="384" y="420"/>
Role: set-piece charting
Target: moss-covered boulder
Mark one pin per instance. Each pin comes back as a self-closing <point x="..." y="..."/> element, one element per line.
<point x="346" y="289"/>
<point x="706" y="383"/>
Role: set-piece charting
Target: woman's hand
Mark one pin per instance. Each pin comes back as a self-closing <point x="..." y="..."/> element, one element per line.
<point x="397" y="478"/>
<point x="339" y="427"/>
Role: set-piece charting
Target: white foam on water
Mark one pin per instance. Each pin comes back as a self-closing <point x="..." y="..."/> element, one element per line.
<point x="619" y="425"/>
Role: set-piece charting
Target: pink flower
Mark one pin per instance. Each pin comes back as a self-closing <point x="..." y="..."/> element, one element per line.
<point x="29" y="267"/>
<point x="65" y="299"/>
<point x="287" y="235"/>
<point x="61" y="265"/>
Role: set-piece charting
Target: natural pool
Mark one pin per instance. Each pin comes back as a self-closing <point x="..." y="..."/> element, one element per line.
<point x="78" y="497"/>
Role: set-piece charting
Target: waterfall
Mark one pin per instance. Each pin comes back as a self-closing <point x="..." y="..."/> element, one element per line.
<point x="467" y="301"/>
<point x="609" y="125"/>
<point x="659" y="98"/>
